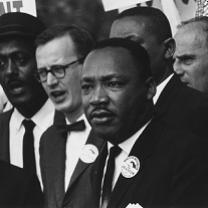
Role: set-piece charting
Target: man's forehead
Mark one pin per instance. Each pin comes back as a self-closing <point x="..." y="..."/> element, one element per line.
<point x="11" y="45"/>
<point x="109" y="61"/>
<point x="188" y="39"/>
<point x="130" y="24"/>
<point x="108" y="56"/>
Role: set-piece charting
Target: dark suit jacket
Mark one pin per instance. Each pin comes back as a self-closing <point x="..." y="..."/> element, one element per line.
<point x="173" y="171"/>
<point x="183" y="108"/>
<point x="52" y="161"/>
<point x="4" y="138"/>
<point x="18" y="189"/>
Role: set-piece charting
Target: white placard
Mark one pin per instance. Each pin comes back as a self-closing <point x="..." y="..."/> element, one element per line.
<point x="26" y="6"/>
<point x="117" y="4"/>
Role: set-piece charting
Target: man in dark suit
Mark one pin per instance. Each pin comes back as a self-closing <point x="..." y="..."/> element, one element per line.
<point x="18" y="189"/>
<point x="175" y="103"/>
<point x="32" y="114"/>
<point x="65" y="156"/>
<point x="149" y="163"/>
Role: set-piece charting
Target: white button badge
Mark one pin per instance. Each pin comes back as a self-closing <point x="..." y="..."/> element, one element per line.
<point x="89" y="153"/>
<point x="130" y="167"/>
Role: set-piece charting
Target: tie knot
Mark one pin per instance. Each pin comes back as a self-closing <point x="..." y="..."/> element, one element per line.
<point x="115" y="151"/>
<point x="28" y="124"/>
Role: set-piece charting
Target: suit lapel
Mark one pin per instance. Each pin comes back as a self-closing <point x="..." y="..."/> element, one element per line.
<point x="167" y="96"/>
<point x="142" y="149"/>
<point x="4" y="141"/>
<point x="82" y="166"/>
<point x="56" y="158"/>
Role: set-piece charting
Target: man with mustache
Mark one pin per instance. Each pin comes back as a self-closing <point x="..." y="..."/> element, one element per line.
<point x="176" y="103"/>
<point x="148" y="163"/>
<point x="22" y="127"/>
<point x="65" y="156"/>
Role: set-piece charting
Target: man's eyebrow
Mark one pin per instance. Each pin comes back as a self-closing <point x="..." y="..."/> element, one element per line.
<point x="112" y="76"/>
<point x="102" y="78"/>
<point x="87" y="79"/>
<point x="185" y="56"/>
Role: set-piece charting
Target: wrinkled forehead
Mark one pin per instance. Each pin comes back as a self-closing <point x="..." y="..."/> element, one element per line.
<point x="191" y="36"/>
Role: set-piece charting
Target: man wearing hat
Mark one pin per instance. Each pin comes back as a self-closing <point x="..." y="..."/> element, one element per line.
<point x="22" y="127"/>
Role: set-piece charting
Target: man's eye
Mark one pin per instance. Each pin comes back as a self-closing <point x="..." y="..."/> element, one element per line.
<point x="58" y="69"/>
<point x="114" y="84"/>
<point x="42" y="71"/>
<point x="21" y="59"/>
<point x="187" y="60"/>
<point x="86" y="87"/>
<point x="2" y="64"/>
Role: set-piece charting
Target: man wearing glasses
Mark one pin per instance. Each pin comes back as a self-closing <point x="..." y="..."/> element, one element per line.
<point x="64" y="155"/>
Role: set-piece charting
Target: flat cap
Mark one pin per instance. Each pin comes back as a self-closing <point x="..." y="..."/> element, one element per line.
<point x="20" y="24"/>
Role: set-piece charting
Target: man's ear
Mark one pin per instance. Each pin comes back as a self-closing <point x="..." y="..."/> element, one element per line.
<point x="151" y="88"/>
<point x="169" y="47"/>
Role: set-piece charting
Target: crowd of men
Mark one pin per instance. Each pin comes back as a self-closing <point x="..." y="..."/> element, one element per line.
<point x="116" y="123"/>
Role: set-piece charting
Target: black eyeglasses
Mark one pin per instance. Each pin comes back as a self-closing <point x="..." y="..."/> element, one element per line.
<point x="57" y="70"/>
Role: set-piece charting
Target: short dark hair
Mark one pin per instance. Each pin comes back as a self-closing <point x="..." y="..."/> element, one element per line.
<point x="81" y="37"/>
<point x="138" y="53"/>
<point x="158" y="22"/>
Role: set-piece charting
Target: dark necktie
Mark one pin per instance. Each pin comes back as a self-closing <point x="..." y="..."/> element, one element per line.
<point x="77" y="126"/>
<point x="28" y="147"/>
<point x="108" y="179"/>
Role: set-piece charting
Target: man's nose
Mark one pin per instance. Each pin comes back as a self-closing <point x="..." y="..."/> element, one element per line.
<point x="11" y="67"/>
<point x="51" y="80"/>
<point x="100" y="96"/>
<point x="177" y="67"/>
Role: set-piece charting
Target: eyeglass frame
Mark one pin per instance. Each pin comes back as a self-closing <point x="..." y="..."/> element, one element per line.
<point x="50" y="69"/>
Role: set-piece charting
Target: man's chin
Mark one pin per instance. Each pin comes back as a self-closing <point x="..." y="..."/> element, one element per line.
<point x="19" y="101"/>
<point x="102" y="131"/>
<point x="107" y="133"/>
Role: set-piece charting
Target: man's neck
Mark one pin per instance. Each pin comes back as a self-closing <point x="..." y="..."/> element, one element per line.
<point x="167" y="73"/>
<point x="30" y="109"/>
<point x="73" y="116"/>
<point x="144" y="118"/>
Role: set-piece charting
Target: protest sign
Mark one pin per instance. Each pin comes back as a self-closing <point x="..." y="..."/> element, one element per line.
<point x="26" y="6"/>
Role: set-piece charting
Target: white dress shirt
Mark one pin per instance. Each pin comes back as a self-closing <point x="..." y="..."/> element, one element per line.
<point x="160" y="88"/>
<point x="42" y="119"/>
<point x="75" y="142"/>
<point x="3" y="99"/>
<point x="126" y="147"/>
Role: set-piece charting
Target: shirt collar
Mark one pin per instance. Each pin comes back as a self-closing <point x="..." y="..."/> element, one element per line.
<point x="17" y="118"/>
<point x="44" y="115"/>
<point x="160" y="88"/>
<point x="127" y="145"/>
<point x="82" y="117"/>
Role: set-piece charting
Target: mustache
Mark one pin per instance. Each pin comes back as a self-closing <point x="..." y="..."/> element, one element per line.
<point x="14" y="81"/>
<point x="100" y="112"/>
